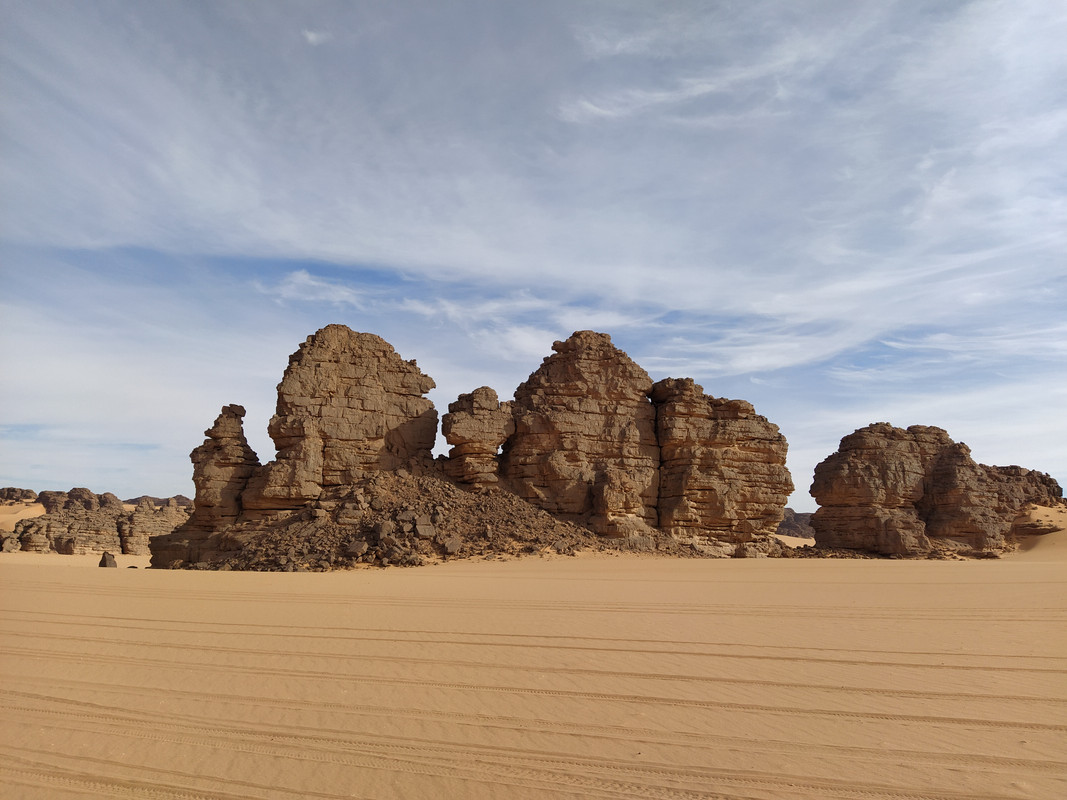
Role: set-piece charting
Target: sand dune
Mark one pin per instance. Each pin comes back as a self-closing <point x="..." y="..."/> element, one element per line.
<point x="581" y="677"/>
<point x="10" y="513"/>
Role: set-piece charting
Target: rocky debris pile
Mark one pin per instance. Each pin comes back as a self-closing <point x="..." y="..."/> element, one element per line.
<point x="916" y="492"/>
<point x="796" y="524"/>
<point x="80" y="521"/>
<point x="400" y="519"/>
<point x="583" y="440"/>
<point x="11" y="495"/>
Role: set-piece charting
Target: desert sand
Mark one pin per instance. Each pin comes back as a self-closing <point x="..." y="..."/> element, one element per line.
<point x="565" y="677"/>
<point x="10" y="513"/>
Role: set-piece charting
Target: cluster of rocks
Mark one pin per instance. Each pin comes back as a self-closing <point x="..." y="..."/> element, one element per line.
<point x="916" y="492"/>
<point x="80" y="521"/>
<point x="588" y="440"/>
<point x="9" y="495"/>
<point x="590" y="454"/>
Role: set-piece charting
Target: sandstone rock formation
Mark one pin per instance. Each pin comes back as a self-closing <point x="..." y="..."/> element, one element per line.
<point x="80" y="521"/>
<point x="911" y="492"/>
<point x="581" y="441"/>
<point x="348" y="405"/>
<point x="157" y="502"/>
<point x="9" y="494"/>
<point x="584" y="447"/>
<point x="723" y="476"/>
<point x="476" y="425"/>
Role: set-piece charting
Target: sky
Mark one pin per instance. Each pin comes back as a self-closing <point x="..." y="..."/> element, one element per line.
<point x="844" y="212"/>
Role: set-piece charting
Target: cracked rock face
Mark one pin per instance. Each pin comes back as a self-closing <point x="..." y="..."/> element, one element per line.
<point x="723" y="475"/>
<point x="908" y="492"/>
<point x="348" y="405"/>
<point x="584" y="447"/>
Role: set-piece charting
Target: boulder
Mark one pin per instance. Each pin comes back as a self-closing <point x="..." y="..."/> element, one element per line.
<point x="107" y="560"/>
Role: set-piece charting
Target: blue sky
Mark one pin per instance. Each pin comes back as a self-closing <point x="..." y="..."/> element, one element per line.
<point x="844" y="212"/>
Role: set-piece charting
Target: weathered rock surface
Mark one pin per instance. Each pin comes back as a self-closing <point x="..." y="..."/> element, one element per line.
<point x="348" y="405"/>
<point x="584" y="447"/>
<point x="222" y="466"/>
<point x="80" y="521"/>
<point x="912" y="492"/>
<point x="723" y="476"/>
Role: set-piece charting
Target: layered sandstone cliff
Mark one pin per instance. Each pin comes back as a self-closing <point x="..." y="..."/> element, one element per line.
<point x="911" y="492"/>
<point x="723" y="476"/>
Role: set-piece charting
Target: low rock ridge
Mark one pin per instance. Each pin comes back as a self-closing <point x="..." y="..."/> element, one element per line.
<point x="80" y="521"/>
<point x="10" y="494"/>
<point x="916" y="492"/>
<point x="588" y="439"/>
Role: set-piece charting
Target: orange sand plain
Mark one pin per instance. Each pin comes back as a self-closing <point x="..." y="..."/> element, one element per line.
<point x="603" y="677"/>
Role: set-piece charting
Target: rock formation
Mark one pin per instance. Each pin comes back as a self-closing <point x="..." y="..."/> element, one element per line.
<point x="9" y="494"/>
<point x="348" y="405"/>
<point x="584" y="447"/>
<point x="796" y="524"/>
<point x="587" y="439"/>
<point x="80" y="521"/>
<point x="723" y="476"/>
<point x="911" y="492"/>
<point x="476" y="425"/>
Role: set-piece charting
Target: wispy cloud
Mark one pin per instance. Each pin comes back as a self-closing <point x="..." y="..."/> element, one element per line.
<point x="301" y="286"/>
<point x="315" y="38"/>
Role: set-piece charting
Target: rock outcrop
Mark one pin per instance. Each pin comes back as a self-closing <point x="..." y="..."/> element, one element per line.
<point x="348" y="406"/>
<point x="80" y="521"/>
<point x="796" y="524"/>
<point x="584" y="447"/>
<point x="476" y="425"/>
<point x="587" y="439"/>
<point x="913" y="492"/>
<point x="723" y="476"/>
<point x="9" y="494"/>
